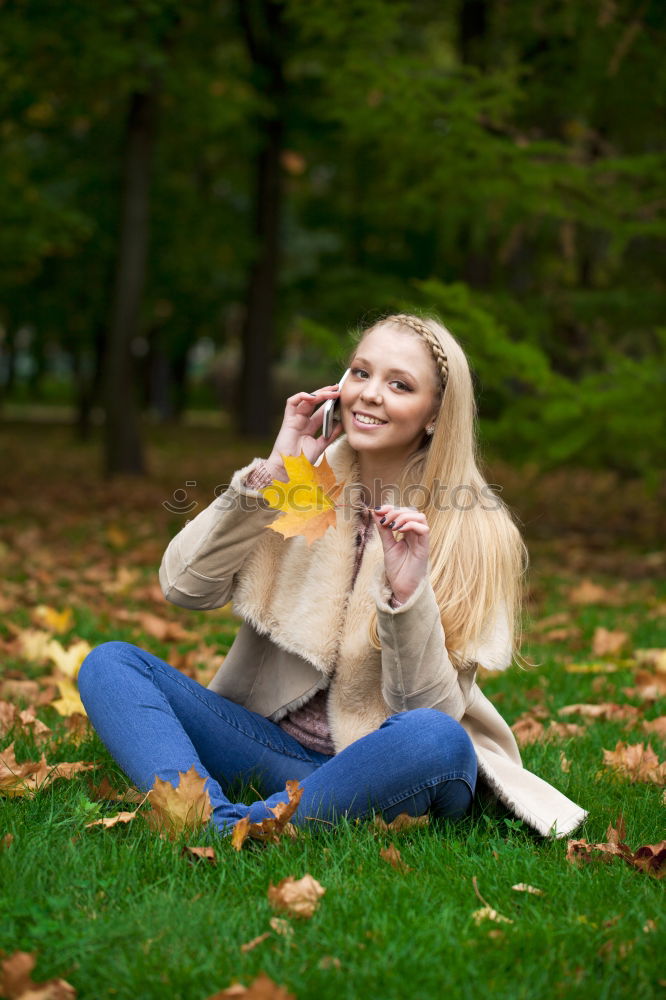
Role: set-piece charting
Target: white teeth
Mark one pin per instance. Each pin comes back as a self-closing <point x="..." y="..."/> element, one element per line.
<point x="367" y="420"/>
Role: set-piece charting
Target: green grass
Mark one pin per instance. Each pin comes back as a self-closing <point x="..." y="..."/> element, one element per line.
<point x="121" y="913"/>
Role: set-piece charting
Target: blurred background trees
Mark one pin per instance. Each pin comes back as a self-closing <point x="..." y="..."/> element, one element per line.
<point x="199" y="201"/>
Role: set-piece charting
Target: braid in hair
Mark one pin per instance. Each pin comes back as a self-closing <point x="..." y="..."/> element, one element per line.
<point x="425" y="333"/>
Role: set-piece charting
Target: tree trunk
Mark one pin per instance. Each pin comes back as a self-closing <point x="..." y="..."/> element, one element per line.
<point x="262" y="25"/>
<point x="122" y="433"/>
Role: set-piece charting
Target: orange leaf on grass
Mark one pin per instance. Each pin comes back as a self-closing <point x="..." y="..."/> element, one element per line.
<point x="261" y="988"/>
<point x="16" y="981"/>
<point x="297" y="897"/>
<point x="401" y="823"/>
<point x="635" y="763"/>
<point x="651" y="858"/>
<point x="175" y="810"/>
<point x="32" y="776"/>
<point x="307" y="499"/>
<point x="108" y="821"/>
<point x="392" y="856"/>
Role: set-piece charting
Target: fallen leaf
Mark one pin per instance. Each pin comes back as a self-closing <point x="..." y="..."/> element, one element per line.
<point x="8" y="716"/>
<point x="591" y="668"/>
<point x="401" y="823"/>
<point x="17" y="984"/>
<point x="109" y="821"/>
<point x="270" y="830"/>
<point x="606" y="642"/>
<point x="105" y="791"/>
<point x="329" y="962"/>
<point x="636" y="763"/>
<point x="55" y="621"/>
<point x="565" y="763"/>
<point x="203" y="853"/>
<point x="523" y="887"/>
<point x="651" y="858"/>
<point x="588" y="592"/>
<point x="392" y="855"/>
<point x="261" y="988"/>
<point x="603" y="710"/>
<point x="653" y="658"/>
<point x="487" y="913"/>
<point x="298" y="897"/>
<point x="18" y="689"/>
<point x="174" y="810"/>
<point x="307" y="499"/>
<point x="69" y="702"/>
<point x="162" y="629"/>
<point x="32" y="776"/>
<point x="6" y="840"/>
<point x="250" y="945"/>
<point x="657" y="727"/>
<point x="33" y="643"/>
<point x="68" y="661"/>
<point x="281" y="926"/>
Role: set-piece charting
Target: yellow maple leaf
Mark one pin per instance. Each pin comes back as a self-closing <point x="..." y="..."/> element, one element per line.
<point x="57" y="621"/>
<point x="307" y="499"/>
<point x="69" y="702"/>
<point x="68" y="661"/>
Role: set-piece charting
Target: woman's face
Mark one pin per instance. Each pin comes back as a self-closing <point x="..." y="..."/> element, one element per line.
<point x="390" y="395"/>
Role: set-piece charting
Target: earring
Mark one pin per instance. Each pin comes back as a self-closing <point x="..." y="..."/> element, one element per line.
<point x="430" y="430"/>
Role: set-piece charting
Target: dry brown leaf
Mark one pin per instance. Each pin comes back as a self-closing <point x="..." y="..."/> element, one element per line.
<point x="31" y="776"/>
<point x="603" y="710"/>
<point x="270" y="830"/>
<point x="401" y="823"/>
<point x="16" y="689"/>
<point x="588" y="592"/>
<point x="16" y="981"/>
<point x="487" y="913"/>
<point x="391" y="854"/>
<point x="635" y="763"/>
<point x="524" y="887"/>
<point x="8" y="716"/>
<point x="6" y="840"/>
<point x="656" y="727"/>
<point x="106" y="791"/>
<point x="202" y="853"/>
<point x="307" y="499"/>
<point x="186" y="807"/>
<point x="649" y="687"/>
<point x="651" y="858"/>
<point x="29" y="720"/>
<point x="163" y="629"/>
<point x="261" y="988"/>
<point x="109" y="821"/>
<point x="250" y="945"/>
<point x="298" y="897"/>
<point x="606" y="642"/>
<point x="281" y="926"/>
<point x="528" y="728"/>
<point x="565" y="763"/>
<point x="33" y="643"/>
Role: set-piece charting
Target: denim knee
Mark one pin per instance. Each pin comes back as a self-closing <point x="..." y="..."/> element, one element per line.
<point x="443" y="744"/>
<point x="100" y="666"/>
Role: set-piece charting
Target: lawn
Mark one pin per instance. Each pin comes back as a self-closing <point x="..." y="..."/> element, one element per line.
<point x="126" y="914"/>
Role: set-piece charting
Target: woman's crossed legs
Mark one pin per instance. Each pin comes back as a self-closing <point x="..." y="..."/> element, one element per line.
<point x="156" y="722"/>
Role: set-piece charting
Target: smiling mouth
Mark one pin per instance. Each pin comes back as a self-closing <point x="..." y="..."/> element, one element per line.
<point x="368" y="421"/>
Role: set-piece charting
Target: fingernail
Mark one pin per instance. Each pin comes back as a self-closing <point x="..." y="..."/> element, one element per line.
<point x="312" y="394"/>
<point x="391" y="524"/>
<point x="378" y="508"/>
<point x="382" y="519"/>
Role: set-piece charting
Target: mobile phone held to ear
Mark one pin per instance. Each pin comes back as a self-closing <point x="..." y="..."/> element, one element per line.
<point x="332" y="410"/>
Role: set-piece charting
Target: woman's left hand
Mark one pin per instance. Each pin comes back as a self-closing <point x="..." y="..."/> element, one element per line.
<point x="405" y="559"/>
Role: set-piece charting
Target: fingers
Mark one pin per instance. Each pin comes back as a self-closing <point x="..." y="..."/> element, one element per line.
<point x="313" y="398"/>
<point x="401" y="519"/>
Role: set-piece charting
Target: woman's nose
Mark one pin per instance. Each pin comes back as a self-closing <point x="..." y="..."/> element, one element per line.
<point x="372" y="392"/>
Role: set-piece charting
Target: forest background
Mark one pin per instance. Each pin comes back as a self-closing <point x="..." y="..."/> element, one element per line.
<point x="200" y="200"/>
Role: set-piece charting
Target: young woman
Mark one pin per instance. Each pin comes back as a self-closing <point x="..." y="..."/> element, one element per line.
<point x="354" y="668"/>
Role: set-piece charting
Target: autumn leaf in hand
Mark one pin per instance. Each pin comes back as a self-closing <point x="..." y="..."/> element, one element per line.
<point x="307" y="498"/>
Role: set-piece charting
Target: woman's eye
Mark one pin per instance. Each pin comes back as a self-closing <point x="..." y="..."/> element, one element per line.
<point x="359" y="372"/>
<point x="401" y="385"/>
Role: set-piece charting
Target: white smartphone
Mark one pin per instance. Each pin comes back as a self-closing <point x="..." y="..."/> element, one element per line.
<point x="332" y="410"/>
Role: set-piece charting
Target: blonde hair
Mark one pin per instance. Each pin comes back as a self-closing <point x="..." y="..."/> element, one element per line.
<point x="477" y="555"/>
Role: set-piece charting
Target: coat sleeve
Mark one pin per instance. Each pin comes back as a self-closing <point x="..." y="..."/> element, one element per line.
<point x="417" y="671"/>
<point x="199" y="564"/>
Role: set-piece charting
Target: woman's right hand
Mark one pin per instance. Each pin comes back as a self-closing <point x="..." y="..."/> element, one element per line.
<point x="303" y="417"/>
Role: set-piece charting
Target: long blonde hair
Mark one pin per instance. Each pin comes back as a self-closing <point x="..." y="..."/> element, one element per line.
<point x="477" y="555"/>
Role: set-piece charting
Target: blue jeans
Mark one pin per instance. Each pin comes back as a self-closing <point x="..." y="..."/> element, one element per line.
<point x="155" y="721"/>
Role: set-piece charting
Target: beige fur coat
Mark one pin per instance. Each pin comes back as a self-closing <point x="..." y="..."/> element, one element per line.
<point x="304" y="629"/>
